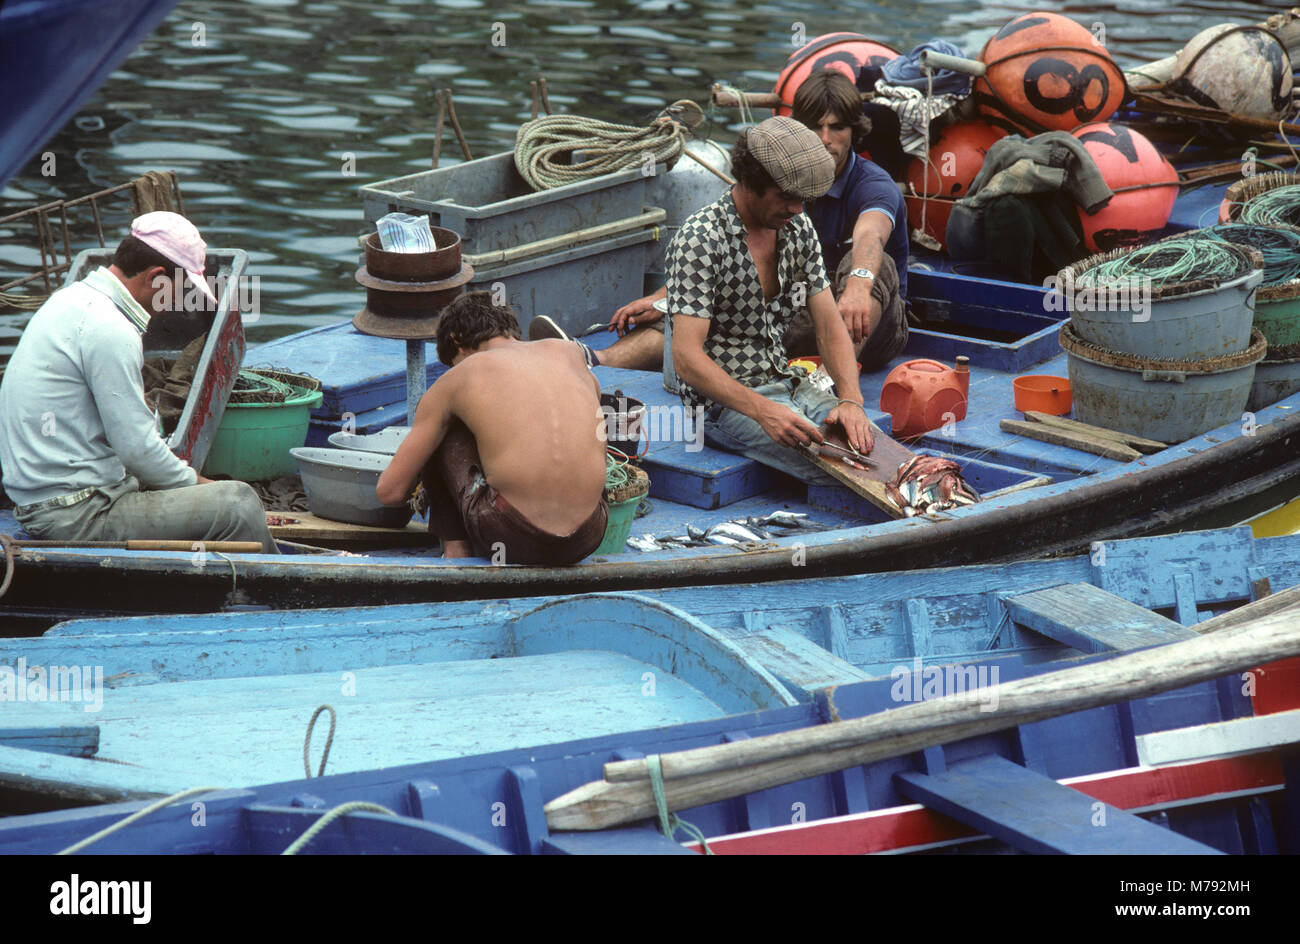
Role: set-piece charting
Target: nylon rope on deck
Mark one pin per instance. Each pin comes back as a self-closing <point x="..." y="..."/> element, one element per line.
<point x="543" y="147"/>
<point x="329" y="741"/>
<point x="10" y="550"/>
<point x="669" y="822"/>
<point x="138" y="815"/>
<point x="341" y="810"/>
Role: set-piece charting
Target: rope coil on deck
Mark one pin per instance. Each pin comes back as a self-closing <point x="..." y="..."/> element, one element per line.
<point x="543" y="147"/>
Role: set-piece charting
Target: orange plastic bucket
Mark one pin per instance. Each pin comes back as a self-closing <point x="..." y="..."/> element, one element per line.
<point x="1043" y="393"/>
<point x="922" y="395"/>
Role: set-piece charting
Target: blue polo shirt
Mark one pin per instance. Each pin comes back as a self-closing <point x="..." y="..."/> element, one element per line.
<point x="862" y="186"/>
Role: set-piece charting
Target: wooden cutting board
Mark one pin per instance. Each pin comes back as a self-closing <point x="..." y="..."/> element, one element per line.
<point x="306" y="527"/>
<point x="888" y="454"/>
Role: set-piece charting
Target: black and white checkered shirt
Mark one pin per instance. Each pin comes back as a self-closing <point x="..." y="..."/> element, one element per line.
<point x="712" y="275"/>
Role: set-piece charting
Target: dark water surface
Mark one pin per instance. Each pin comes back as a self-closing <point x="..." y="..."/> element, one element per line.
<point x="258" y="104"/>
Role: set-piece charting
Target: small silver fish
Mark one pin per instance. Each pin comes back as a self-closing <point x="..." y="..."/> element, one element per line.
<point x="733" y="530"/>
<point x="721" y="539"/>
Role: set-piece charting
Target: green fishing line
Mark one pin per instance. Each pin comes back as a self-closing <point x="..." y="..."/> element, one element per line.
<point x="1279" y="205"/>
<point x="1173" y="261"/>
<point x="1279" y="247"/>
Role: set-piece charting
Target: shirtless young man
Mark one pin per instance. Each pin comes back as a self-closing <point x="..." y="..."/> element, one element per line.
<point x="507" y="443"/>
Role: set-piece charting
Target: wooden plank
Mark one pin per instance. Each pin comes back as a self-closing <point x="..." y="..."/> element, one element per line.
<point x="1093" y="620"/>
<point x="704" y="775"/>
<point x="1220" y="738"/>
<point x="1140" y="443"/>
<point x="1036" y="814"/>
<point x="887" y="455"/>
<point x="82" y="778"/>
<point x="1074" y="440"/>
<point x="800" y="662"/>
<point x="68" y="740"/>
<point x="304" y="526"/>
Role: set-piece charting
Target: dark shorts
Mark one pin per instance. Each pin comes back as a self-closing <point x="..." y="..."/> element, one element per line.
<point x="463" y="506"/>
<point x="890" y="336"/>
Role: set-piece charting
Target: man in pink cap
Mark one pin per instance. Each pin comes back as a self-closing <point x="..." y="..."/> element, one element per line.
<point x="80" y="450"/>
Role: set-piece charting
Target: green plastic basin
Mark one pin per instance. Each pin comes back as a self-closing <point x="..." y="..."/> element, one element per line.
<point x="253" y="441"/>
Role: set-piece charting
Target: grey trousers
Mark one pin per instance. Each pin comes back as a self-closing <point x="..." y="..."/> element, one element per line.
<point x="221" y="511"/>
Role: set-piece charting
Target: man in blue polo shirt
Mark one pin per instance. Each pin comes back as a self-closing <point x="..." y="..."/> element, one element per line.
<point x="862" y="225"/>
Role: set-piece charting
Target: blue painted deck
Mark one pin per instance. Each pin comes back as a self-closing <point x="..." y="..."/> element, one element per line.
<point x="498" y="798"/>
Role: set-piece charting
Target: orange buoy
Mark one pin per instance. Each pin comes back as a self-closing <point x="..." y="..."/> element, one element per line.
<point x="1045" y="72"/>
<point x="955" y="160"/>
<point x="922" y="395"/>
<point x="1145" y="186"/>
<point x="847" y="52"/>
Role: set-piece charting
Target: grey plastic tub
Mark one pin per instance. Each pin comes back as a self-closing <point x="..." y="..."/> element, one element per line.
<point x="1210" y="322"/>
<point x="1274" y="380"/>
<point x="384" y="442"/>
<point x="576" y="287"/>
<point x="340" y="485"/>
<point x="1164" y="400"/>
<point x="492" y="207"/>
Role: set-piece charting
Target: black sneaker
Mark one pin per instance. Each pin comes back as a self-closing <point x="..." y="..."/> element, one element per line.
<point x="543" y="328"/>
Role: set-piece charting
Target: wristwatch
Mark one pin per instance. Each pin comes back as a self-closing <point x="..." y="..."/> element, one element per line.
<point x="862" y="273"/>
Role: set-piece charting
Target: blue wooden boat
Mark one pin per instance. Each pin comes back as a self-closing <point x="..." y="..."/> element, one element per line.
<point x="552" y="669"/>
<point x="1027" y="787"/>
<point x="1039" y="499"/>
<point x="54" y="54"/>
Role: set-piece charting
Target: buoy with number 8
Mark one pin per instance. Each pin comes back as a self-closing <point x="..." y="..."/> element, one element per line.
<point x="1145" y="186"/>
<point x="847" y="52"/>
<point x="1045" y="72"/>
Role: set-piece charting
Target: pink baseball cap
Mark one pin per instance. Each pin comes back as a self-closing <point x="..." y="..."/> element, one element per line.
<point x="178" y="239"/>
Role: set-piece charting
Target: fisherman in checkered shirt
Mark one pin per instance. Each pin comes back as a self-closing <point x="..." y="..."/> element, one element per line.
<point x="739" y="270"/>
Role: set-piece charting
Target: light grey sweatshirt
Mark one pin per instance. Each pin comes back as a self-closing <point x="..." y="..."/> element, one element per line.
<point x="72" y="408"/>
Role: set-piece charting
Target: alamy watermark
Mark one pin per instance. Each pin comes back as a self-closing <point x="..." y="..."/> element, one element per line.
<point x="1131" y="294"/>
<point x="181" y="294"/>
<point x="921" y="683"/>
<point x="39" y="683"/>
<point x="630" y="422"/>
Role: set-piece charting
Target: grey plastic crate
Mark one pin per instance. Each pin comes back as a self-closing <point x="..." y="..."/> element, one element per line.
<point x="577" y="286"/>
<point x="490" y="205"/>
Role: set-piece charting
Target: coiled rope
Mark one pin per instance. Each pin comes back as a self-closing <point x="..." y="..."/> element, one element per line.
<point x="543" y="147"/>
<point x="1279" y="247"/>
<point x="616" y="475"/>
<point x="1279" y="205"/>
<point x="1173" y="261"/>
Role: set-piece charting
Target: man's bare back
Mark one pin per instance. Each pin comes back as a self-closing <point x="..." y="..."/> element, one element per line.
<point x="534" y="411"/>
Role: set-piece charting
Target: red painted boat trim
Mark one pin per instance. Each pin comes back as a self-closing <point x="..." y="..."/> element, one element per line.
<point x="914" y="827"/>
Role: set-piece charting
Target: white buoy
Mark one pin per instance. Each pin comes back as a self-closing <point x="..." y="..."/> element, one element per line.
<point x="1244" y="70"/>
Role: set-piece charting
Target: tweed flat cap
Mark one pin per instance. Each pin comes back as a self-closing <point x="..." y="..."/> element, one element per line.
<point x="794" y="156"/>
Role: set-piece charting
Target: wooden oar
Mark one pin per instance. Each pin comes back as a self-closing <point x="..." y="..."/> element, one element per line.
<point x="707" y="775"/>
<point x="217" y="547"/>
